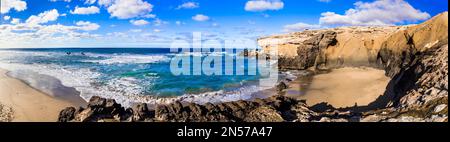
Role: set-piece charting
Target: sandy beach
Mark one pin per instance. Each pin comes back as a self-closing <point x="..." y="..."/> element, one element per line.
<point x="29" y="104"/>
<point x="342" y="87"/>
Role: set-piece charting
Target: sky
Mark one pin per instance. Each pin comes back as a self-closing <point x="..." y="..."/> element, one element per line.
<point x="158" y="23"/>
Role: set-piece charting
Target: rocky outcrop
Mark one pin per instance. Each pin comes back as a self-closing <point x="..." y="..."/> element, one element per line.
<point x="311" y="52"/>
<point x="329" y="48"/>
<point x="417" y="61"/>
<point x="273" y="109"/>
<point x="6" y="113"/>
<point x="98" y="109"/>
<point x="415" y="57"/>
<point x="400" y="50"/>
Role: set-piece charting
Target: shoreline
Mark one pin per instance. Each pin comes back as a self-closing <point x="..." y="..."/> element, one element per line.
<point x="29" y="104"/>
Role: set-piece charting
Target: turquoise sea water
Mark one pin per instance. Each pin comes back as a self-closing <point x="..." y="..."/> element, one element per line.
<point x="127" y="74"/>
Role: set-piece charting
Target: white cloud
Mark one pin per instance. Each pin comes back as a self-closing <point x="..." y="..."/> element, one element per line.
<point x="179" y="23"/>
<point x="326" y="1"/>
<point x="90" y="1"/>
<point x="15" y="21"/>
<point x="7" y="5"/>
<point x="34" y="34"/>
<point x="299" y="27"/>
<point x="87" y="26"/>
<point x="149" y="16"/>
<point x="42" y="18"/>
<point x="156" y="30"/>
<point x="105" y="2"/>
<point x="6" y="18"/>
<point x="86" y="10"/>
<point x="159" y="22"/>
<point x="189" y="5"/>
<point x="263" y="5"/>
<point x="380" y="12"/>
<point x="126" y="9"/>
<point x="139" y="22"/>
<point x="200" y="18"/>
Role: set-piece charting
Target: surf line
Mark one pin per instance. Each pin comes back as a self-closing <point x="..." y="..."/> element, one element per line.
<point x="188" y="132"/>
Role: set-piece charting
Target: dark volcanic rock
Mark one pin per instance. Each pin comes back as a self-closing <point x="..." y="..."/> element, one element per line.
<point x="281" y="86"/>
<point x="264" y="114"/>
<point x="141" y="112"/>
<point x="67" y="114"/>
<point x="98" y="109"/>
<point x="273" y="109"/>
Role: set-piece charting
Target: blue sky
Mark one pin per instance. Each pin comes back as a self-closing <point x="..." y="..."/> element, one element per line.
<point x="156" y="23"/>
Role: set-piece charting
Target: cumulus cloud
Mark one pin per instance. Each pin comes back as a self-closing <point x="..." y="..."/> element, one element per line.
<point x="300" y="27"/>
<point x="42" y="18"/>
<point x="87" y="26"/>
<point x="380" y="12"/>
<point x="15" y="21"/>
<point x="126" y="9"/>
<point x="156" y="30"/>
<point x="86" y="10"/>
<point x="31" y="34"/>
<point x="7" y="5"/>
<point x="159" y="22"/>
<point x="105" y="2"/>
<point x="200" y="18"/>
<point x="189" y="5"/>
<point x="6" y="17"/>
<point x="179" y="23"/>
<point x="263" y="5"/>
<point x="90" y="1"/>
<point x="139" y="22"/>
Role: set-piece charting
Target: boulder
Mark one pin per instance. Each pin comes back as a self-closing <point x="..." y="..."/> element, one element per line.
<point x="67" y="114"/>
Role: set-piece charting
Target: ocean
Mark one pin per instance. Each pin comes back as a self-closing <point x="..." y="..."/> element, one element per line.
<point x="130" y="75"/>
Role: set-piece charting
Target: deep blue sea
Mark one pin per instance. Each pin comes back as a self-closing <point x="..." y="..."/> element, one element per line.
<point x="129" y="74"/>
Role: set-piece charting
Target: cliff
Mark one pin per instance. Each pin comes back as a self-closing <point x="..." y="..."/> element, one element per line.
<point x="415" y="57"/>
<point x="329" y="48"/>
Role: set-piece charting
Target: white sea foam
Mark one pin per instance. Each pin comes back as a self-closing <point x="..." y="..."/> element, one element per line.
<point x="125" y="90"/>
<point x="128" y="58"/>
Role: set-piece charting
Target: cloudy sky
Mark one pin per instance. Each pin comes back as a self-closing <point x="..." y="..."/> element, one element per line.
<point x="156" y="23"/>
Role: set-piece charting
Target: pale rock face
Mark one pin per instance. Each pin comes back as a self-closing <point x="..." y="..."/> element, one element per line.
<point x="355" y="45"/>
<point x="439" y="108"/>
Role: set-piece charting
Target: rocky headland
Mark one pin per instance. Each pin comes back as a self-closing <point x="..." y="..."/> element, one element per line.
<point x="414" y="57"/>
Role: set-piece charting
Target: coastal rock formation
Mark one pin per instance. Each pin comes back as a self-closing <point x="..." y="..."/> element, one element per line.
<point x="311" y="52"/>
<point x="415" y="57"/>
<point x="273" y="109"/>
<point x="329" y="48"/>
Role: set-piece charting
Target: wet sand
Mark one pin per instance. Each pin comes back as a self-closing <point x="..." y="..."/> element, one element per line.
<point x="344" y="87"/>
<point x="29" y="104"/>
